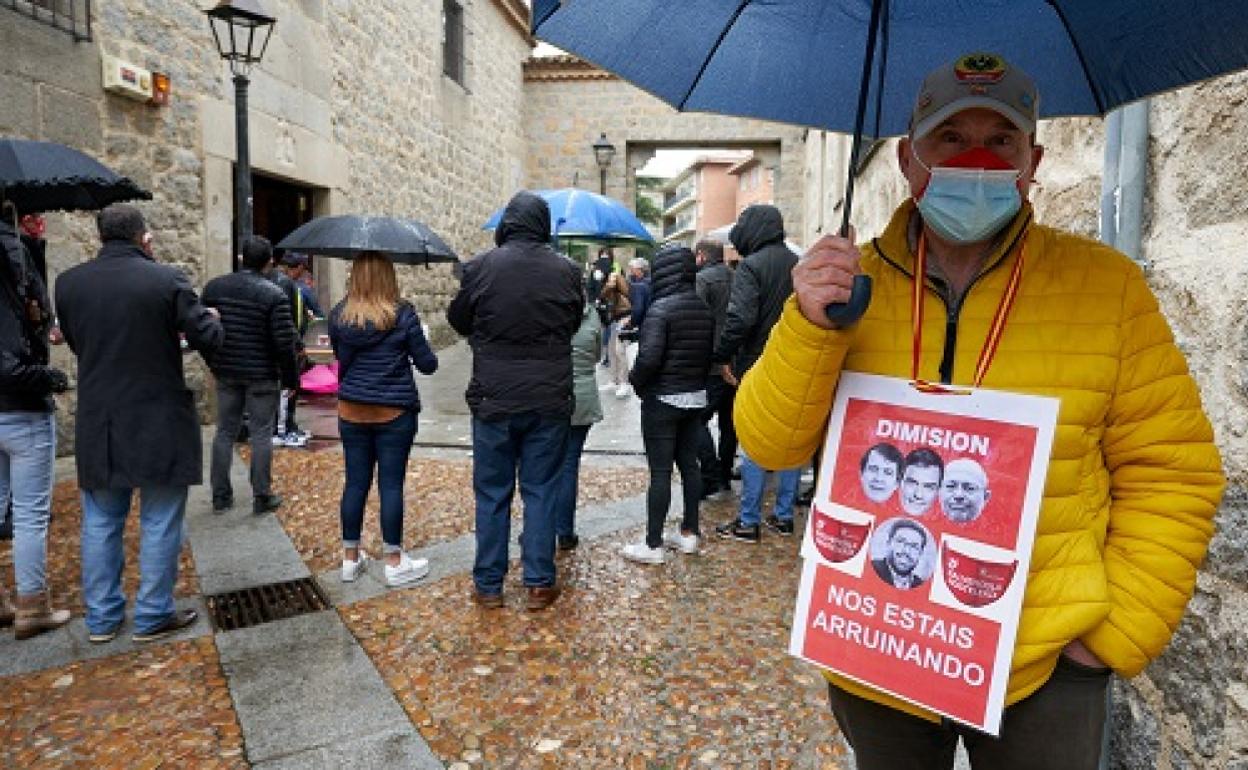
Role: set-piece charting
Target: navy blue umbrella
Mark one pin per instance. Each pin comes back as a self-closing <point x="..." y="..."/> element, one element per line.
<point x="347" y="236"/>
<point x="45" y="176"/>
<point x="581" y="215"/>
<point x="855" y="65"/>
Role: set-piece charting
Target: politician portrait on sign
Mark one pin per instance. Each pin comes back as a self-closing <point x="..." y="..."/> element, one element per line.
<point x="903" y="553"/>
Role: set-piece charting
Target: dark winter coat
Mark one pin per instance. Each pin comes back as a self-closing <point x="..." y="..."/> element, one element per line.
<point x="639" y="297"/>
<point x="136" y="423"/>
<point x="674" y="349"/>
<point x="762" y="282"/>
<point x="26" y="381"/>
<point x="714" y="284"/>
<point x="259" y="333"/>
<point x="375" y="365"/>
<point x="519" y="305"/>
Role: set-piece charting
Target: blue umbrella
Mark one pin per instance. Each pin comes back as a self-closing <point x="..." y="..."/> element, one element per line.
<point x="855" y="65"/>
<point x="586" y="216"/>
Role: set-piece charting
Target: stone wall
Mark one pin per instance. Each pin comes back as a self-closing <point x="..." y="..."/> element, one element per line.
<point x="350" y="101"/>
<point x="1190" y="707"/>
<point x="568" y="104"/>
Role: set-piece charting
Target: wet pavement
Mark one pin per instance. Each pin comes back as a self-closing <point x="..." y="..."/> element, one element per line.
<point x="673" y="666"/>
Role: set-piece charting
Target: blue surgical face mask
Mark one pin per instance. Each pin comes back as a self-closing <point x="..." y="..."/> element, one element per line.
<point x="969" y="205"/>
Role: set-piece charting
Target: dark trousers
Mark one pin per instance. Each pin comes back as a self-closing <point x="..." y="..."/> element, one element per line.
<point x="530" y="447"/>
<point x="258" y="400"/>
<point x="569" y="477"/>
<point x="717" y="464"/>
<point x="670" y="434"/>
<point x="384" y="447"/>
<point x="1058" y="727"/>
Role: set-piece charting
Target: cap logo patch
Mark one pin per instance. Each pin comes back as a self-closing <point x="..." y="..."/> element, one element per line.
<point x="982" y="68"/>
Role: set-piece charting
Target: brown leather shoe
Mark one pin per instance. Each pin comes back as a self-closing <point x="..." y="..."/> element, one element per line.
<point x="487" y="601"/>
<point x="35" y="615"/>
<point x="7" y="612"/>
<point x="541" y="597"/>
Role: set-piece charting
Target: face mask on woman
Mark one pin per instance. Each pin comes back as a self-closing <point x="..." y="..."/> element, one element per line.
<point x="970" y="196"/>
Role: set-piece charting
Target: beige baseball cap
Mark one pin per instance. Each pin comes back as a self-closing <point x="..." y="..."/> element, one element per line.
<point x="976" y="80"/>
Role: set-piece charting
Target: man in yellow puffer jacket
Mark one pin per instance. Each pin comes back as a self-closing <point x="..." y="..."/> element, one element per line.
<point x="1134" y="478"/>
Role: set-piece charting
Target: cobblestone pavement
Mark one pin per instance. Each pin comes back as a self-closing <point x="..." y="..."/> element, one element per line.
<point x="64" y="566"/>
<point x="673" y="666"/>
<point x="163" y="706"/>
<point x="438" y="501"/>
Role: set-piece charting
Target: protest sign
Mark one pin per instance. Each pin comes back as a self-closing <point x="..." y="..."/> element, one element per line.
<point x="918" y="541"/>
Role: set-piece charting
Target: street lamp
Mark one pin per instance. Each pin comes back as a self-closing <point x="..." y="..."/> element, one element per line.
<point x="604" y="151"/>
<point x="241" y="30"/>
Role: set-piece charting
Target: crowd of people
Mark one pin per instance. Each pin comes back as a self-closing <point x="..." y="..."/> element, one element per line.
<point x="1127" y="506"/>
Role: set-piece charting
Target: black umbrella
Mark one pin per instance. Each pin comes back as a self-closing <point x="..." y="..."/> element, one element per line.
<point x="402" y="240"/>
<point x="45" y="176"/>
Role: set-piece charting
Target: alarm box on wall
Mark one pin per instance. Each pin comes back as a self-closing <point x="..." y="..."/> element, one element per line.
<point x="126" y="79"/>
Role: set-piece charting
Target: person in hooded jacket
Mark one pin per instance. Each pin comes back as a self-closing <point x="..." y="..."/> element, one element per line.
<point x="673" y="355"/>
<point x="377" y="339"/>
<point x="760" y="285"/>
<point x="586" y="348"/>
<point x="27" y="432"/>
<point x="519" y="305"/>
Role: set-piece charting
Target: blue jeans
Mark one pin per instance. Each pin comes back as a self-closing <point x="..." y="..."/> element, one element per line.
<point x="386" y="447"/>
<point x="104" y="511"/>
<point x="531" y="447"/>
<point x="27" y="452"/>
<point x="569" y="475"/>
<point x="754" y="479"/>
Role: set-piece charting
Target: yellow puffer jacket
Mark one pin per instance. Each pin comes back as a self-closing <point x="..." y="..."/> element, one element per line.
<point x="1134" y="478"/>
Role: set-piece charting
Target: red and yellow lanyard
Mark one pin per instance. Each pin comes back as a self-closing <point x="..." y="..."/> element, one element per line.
<point x="994" y="332"/>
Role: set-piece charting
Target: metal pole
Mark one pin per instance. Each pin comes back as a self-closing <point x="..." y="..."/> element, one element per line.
<point x="602" y="181"/>
<point x="1109" y="177"/>
<point x="242" y="169"/>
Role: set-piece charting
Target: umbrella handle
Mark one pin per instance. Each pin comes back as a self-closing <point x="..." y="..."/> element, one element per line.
<point x="846" y="313"/>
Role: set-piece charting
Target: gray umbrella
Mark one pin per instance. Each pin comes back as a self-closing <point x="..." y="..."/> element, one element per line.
<point x="402" y="240"/>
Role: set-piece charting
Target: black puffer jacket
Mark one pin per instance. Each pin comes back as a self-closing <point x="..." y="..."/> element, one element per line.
<point x="761" y="284"/>
<point x="26" y="381"/>
<point x="674" y="349"/>
<point x="714" y="283"/>
<point x="519" y="305"/>
<point x="259" y="333"/>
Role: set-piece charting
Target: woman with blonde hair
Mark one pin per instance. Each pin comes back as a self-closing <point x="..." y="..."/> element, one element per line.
<point x="377" y="338"/>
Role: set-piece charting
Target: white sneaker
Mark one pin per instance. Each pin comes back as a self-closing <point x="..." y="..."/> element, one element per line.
<point x="686" y="544"/>
<point x="351" y="570"/>
<point x="640" y="552"/>
<point x="294" y="441"/>
<point x="409" y="571"/>
<point x="608" y="386"/>
<point x="279" y="439"/>
<point x="621" y="391"/>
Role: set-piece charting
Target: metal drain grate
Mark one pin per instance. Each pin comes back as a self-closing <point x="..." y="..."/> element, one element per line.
<point x="262" y="604"/>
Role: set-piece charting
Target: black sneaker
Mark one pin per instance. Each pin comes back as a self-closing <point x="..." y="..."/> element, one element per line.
<point x="807" y="496"/>
<point x="735" y="530"/>
<point x="266" y="503"/>
<point x="779" y="526"/>
<point x="222" y="504"/>
<point x="179" y="620"/>
<point x="567" y="542"/>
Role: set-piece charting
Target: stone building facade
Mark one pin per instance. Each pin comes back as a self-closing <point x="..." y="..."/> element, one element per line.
<point x="349" y="105"/>
<point x="569" y="103"/>
<point x="1190" y="707"/>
